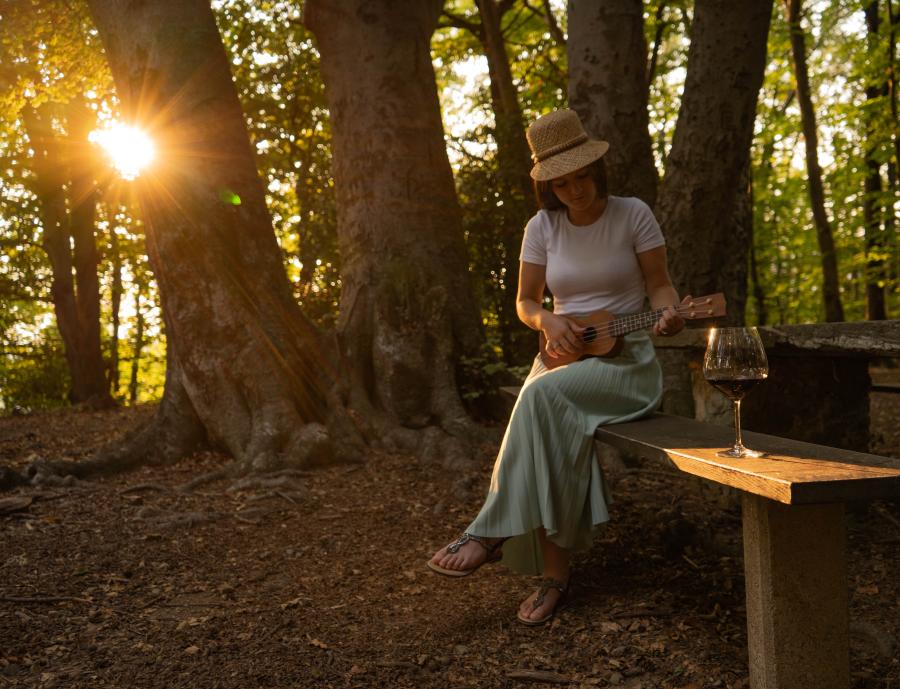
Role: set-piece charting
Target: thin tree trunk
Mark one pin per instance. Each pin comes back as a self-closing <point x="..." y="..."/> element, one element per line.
<point x="872" y="208"/>
<point x="138" y="345"/>
<point x="116" y="298"/>
<point x="514" y="181"/>
<point x="407" y="310"/>
<point x="892" y="85"/>
<point x="893" y="169"/>
<point x="702" y="188"/>
<point x="658" y="35"/>
<point x="834" y="311"/>
<point x="608" y="88"/>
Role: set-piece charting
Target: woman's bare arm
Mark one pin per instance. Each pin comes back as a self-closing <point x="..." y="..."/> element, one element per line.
<point x="660" y="290"/>
<point x="561" y="333"/>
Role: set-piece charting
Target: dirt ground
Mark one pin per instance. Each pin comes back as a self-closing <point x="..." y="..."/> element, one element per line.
<point x="318" y="579"/>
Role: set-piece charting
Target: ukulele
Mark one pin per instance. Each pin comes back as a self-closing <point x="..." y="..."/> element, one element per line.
<point x="603" y="331"/>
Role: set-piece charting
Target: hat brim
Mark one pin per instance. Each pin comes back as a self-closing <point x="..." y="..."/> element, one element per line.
<point x="569" y="161"/>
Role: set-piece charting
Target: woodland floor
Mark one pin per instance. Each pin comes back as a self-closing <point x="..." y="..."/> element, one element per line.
<point x="319" y="580"/>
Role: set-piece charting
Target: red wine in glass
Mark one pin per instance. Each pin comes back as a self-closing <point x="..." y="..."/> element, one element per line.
<point x="735" y="362"/>
<point x="734" y="388"/>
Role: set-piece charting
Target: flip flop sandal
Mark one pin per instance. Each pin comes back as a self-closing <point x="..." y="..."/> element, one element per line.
<point x="545" y="586"/>
<point x="493" y="555"/>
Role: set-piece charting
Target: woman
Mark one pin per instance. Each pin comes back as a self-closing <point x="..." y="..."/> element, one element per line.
<point x="593" y="251"/>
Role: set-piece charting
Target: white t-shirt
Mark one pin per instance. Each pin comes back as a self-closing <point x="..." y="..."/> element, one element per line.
<point x="595" y="266"/>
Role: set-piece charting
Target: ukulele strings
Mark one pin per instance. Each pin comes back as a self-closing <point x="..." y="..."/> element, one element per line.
<point x="625" y="324"/>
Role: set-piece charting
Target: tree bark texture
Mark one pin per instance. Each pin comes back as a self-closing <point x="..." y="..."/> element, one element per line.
<point x="65" y="186"/>
<point x="245" y="370"/>
<point x="876" y="277"/>
<point x="407" y="310"/>
<point x="700" y="193"/>
<point x="831" y="295"/>
<point x="514" y="179"/>
<point x="608" y="88"/>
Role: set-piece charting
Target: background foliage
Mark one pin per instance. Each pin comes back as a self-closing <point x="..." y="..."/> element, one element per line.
<point x="49" y="53"/>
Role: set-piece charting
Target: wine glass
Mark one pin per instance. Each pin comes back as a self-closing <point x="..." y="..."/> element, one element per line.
<point x="735" y="361"/>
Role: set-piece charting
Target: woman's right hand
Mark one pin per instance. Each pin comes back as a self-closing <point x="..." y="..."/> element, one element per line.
<point x="561" y="334"/>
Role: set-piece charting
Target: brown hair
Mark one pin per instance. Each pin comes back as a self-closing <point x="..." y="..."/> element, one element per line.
<point x="547" y="198"/>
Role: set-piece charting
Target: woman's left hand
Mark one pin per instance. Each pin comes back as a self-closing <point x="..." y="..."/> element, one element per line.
<point x="670" y="322"/>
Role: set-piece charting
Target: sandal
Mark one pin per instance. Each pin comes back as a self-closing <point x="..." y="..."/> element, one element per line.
<point x="493" y="555"/>
<point x="545" y="585"/>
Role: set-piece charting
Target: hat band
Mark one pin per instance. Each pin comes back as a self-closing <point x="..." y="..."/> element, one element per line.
<point x="559" y="148"/>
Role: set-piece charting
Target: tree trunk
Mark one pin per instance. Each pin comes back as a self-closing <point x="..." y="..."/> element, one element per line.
<point x="658" y="34"/>
<point x="407" y="310"/>
<point x="138" y="345"/>
<point x="68" y="224"/>
<point x="116" y="298"/>
<point x="876" y="277"/>
<point x="514" y="180"/>
<point x="83" y="195"/>
<point x="893" y="169"/>
<point x="831" y="295"/>
<point x="608" y="88"/>
<point x="699" y="195"/>
<point x="245" y="370"/>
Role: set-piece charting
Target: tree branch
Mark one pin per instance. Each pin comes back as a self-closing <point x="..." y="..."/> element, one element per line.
<point x="503" y="6"/>
<point x="459" y="22"/>
<point x="658" y="35"/>
<point x="549" y="19"/>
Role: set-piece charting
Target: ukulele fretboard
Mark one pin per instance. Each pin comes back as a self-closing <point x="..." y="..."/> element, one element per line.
<point x="622" y="325"/>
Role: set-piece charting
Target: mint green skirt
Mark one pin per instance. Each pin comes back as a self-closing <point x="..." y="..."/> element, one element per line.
<point x="546" y="474"/>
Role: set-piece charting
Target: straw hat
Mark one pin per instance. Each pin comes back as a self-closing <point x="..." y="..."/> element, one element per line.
<point x="559" y="145"/>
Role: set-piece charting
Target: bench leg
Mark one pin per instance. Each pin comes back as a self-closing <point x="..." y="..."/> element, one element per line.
<point x="796" y="577"/>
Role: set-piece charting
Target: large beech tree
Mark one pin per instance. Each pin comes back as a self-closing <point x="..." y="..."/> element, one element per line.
<point x="246" y="372"/>
<point x="702" y="198"/>
<point x="407" y="310"/>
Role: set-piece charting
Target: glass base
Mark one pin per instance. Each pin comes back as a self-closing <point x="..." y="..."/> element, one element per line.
<point x="740" y="451"/>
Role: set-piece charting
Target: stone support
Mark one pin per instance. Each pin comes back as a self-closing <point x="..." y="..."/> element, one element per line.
<point x="797" y="602"/>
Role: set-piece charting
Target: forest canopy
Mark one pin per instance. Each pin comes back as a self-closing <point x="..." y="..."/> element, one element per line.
<point x="80" y="306"/>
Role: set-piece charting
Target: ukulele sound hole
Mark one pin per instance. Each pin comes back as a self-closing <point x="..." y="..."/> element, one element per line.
<point x="589" y="335"/>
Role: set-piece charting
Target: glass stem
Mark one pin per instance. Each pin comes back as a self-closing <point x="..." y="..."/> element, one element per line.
<point x="737" y="424"/>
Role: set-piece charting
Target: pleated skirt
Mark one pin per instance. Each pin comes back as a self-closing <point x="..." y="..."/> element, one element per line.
<point x="546" y="474"/>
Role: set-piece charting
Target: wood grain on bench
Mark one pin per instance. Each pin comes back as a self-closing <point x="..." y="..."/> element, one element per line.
<point x="794" y="472"/>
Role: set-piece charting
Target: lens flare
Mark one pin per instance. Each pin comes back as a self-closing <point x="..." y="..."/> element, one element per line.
<point x="129" y="149"/>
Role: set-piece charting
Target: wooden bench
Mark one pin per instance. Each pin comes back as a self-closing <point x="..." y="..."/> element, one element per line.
<point x="794" y="535"/>
<point x="795" y="565"/>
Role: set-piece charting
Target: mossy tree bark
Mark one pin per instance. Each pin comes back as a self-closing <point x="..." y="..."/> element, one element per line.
<point x="407" y="310"/>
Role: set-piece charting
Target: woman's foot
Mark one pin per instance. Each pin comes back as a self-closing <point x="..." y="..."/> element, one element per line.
<point x="464" y="556"/>
<point x="541" y="605"/>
